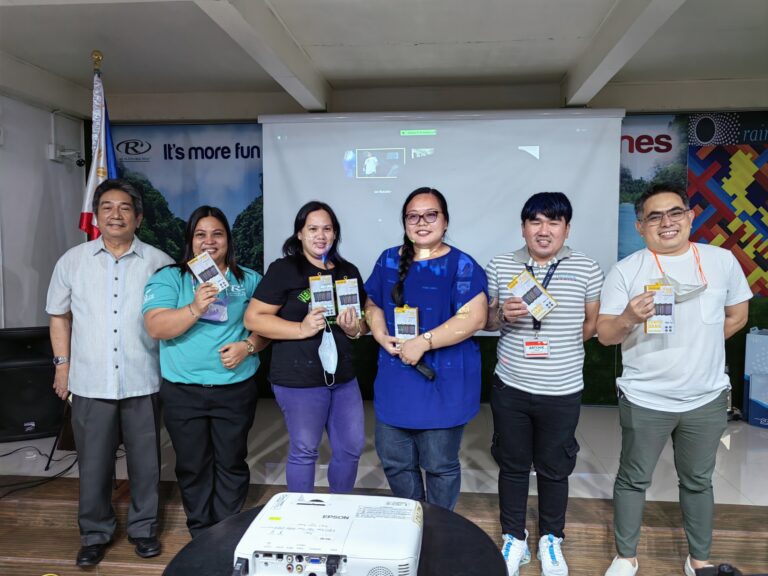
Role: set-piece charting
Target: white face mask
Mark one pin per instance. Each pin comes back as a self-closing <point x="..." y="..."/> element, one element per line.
<point x="684" y="292"/>
<point x="329" y="356"/>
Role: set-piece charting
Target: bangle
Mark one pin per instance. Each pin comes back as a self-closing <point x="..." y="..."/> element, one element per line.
<point x="500" y="314"/>
<point x="359" y="331"/>
<point x="195" y="316"/>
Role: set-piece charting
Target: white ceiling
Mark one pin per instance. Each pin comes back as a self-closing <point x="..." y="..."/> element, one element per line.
<point x="311" y="48"/>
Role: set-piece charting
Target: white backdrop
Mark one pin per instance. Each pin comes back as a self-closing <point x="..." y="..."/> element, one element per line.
<point x="486" y="164"/>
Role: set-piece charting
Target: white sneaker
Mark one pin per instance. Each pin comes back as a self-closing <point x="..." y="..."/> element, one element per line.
<point x="551" y="556"/>
<point x="622" y="567"/>
<point x="515" y="553"/>
<point x="689" y="569"/>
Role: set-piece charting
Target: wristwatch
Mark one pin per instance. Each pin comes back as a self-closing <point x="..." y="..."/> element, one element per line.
<point x="251" y="347"/>
<point x="59" y="360"/>
<point x="428" y="337"/>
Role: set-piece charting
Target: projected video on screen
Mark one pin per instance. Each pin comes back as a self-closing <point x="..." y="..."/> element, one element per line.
<point x="375" y="162"/>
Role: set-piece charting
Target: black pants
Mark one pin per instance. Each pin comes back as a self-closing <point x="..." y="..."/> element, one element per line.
<point x="208" y="426"/>
<point x="539" y="430"/>
<point x="96" y="425"/>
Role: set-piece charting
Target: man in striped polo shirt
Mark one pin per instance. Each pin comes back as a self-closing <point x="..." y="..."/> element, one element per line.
<point x="536" y="395"/>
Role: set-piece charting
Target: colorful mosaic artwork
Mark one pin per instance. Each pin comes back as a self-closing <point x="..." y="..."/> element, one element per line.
<point x="728" y="188"/>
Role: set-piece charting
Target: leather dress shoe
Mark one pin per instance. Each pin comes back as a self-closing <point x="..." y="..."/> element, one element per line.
<point x="92" y="554"/>
<point x="146" y="547"/>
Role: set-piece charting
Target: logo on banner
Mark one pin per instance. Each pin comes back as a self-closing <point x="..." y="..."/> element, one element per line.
<point x="134" y="150"/>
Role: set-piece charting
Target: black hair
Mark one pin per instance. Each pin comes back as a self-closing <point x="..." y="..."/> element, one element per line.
<point x="553" y="205"/>
<point x="189" y="234"/>
<point x="123" y="186"/>
<point x="406" y="252"/>
<point x="659" y="188"/>
<point x="292" y="247"/>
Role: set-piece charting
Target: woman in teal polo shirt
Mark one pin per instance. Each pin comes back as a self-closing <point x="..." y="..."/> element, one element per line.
<point x="208" y="361"/>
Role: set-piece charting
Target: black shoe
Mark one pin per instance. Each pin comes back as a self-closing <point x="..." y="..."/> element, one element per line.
<point x="91" y="555"/>
<point x="146" y="547"/>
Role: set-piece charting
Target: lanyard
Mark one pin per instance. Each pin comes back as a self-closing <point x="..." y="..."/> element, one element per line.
<point x="696" y="257"/>
<point x="544" y="284"/>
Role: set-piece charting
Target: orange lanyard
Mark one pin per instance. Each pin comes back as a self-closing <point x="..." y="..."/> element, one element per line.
<point x="695" y="255"/>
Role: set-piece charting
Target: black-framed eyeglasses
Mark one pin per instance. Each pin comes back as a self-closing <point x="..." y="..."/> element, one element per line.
<point x="674" y="215"/>
<point x="430" y="217"/>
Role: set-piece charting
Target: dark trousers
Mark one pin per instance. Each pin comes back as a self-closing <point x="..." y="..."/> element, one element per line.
<point x="208" y="426"/>
<point x="539" y="430"/>
<point x="96" y="426"/>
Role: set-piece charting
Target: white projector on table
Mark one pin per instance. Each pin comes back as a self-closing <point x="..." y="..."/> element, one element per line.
<point x="332" y="534"/>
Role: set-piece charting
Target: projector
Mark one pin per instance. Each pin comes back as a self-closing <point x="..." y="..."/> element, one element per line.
<point x="332" y="534"/>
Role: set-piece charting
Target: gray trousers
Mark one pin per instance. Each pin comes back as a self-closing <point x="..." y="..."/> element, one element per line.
<point x="695" y="437"/>
<point x="96" y="425"/>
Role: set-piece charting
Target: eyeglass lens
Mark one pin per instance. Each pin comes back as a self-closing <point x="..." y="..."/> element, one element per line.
<point x="674" y="215"/>
<point x="429" y="217"/>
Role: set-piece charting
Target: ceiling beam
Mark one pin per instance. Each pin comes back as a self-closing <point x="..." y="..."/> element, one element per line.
<point x="22" y="80"/>
<point x="264" y="37"/>
<point x="626" y="29"/>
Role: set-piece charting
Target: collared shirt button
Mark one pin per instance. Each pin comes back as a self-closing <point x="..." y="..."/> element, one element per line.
<point x="116" y="366"/>
<point x="115" y="295"/>
<point x="115" y="349"/>
<point x="114" y="311"/>
<point x="115" y="330"/>
<point x="115" y="277"/>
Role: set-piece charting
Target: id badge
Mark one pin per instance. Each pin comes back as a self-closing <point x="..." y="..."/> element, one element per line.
<point x="217" y="311"/>
<point x="406" y="323"/>
<point x="536" y="348"/>
<point x="321" y="294"/>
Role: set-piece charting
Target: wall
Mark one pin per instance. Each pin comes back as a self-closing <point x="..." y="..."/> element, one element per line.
<point x="40" y="204"/>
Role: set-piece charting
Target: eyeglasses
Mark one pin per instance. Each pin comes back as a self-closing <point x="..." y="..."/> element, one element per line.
<point x="674" y="215"/>
<point x="430" y="217"/>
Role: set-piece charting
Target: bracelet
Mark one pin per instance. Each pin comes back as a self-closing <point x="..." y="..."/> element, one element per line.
<point x="356" y="336"/>
<point x="195" y="316"/>
<point x="500" y="314"/>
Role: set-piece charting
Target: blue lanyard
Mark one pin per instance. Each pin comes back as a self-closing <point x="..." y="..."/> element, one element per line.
<point x="544" y="284"/>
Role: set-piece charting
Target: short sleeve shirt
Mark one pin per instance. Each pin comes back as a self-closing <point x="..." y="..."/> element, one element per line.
<point x="296" y="363"/>
<point x="686" y="369"/>
<point x="193" y="357"/>
<point x="111" y="355"/>
<point x="576" y="281"/>
<point x="439" y="288"/>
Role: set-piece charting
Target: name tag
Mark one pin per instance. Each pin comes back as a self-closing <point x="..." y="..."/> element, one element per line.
<point x="538" y="348"/>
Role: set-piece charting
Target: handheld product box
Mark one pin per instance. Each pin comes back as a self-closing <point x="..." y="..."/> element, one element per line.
<point x="536" y="298"/>
<point x="321" y="294"/>
<point x="663" y="319"/>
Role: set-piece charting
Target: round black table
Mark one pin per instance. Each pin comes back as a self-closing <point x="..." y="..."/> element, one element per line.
<point x="450" y="544"/>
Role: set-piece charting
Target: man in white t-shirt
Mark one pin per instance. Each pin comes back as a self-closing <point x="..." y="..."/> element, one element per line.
<point x="673" y="384"/>
<point x="370" y="165"/>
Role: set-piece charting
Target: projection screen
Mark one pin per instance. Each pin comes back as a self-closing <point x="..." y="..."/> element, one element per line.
<point x="485" y="163"/>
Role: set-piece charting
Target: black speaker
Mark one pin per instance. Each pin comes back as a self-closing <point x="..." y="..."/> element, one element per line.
<point x="29" y="408"/>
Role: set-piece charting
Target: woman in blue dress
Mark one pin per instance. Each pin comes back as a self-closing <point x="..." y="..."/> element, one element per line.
<point x="428" y="386"/>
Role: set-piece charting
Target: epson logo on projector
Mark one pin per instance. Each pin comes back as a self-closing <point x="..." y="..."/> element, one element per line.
<point x="334" y="517"/>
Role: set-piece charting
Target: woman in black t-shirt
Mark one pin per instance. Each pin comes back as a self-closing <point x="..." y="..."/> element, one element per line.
<point x="311" y="371"/>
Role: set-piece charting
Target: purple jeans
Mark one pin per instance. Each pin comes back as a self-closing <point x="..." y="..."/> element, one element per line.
<point x="338" y="409"/>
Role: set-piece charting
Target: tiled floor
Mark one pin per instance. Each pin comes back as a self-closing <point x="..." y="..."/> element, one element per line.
<point x="742" y="459"/>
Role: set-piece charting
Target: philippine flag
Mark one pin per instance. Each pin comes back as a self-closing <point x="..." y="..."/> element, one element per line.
<point x="103" y="163"/>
